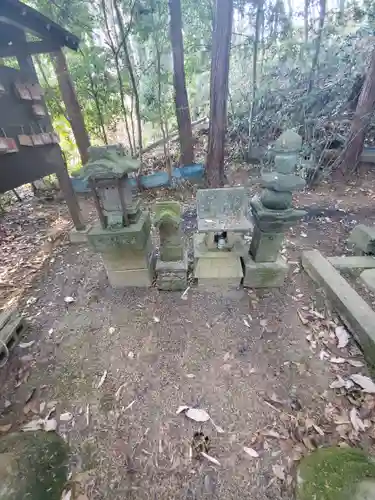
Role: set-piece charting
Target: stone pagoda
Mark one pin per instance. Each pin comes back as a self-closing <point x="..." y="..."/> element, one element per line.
<point x="122" y="235"/>
<point x="172" y="264"/>
<point x="273" y="214"/>
<point x="219" y="245"/>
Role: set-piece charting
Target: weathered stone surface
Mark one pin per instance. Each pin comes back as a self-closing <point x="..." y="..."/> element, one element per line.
<point x="363" y="238"/>
<point x="276" y="200"/>
<point x="352" y="263"/>
<point x="368" y="278"/>
<point x="77" y="237"/>
<point x="135" y="236"/>
<point x="142" y="278"/>
<point x="265" y="247"/>
<point x="265" y="274"/>
<point x="223" y="209"/>
<point x="336" y="474"/>
<point x="271" y="220"/>
<point x="225" y="271"/>
<point x="171" y="275"/>
<point x="128" y="258"/>
<point x="285" y="163"/>
<point x="353" y="310"/>
<point x="168" y="221"/>
<point x="281" y="182"/>
<point x="288" y="141"/>
<point x="33" y="465"/>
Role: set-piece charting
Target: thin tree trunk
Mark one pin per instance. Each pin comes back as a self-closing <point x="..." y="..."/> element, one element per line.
<point x="349" y="158"/>
<point x="161" y="118"/>
<point x="119" y="77"/>
<point x="314" y="64"/>
<point x="71" y="104"/>
<point x="255" y="61"/>
<point x="179" y="82"/>
<point x="219" y="92"/>
<point x="129" y="66"/>
<point x="306" y="20"/>
<point x="98" y="108"/>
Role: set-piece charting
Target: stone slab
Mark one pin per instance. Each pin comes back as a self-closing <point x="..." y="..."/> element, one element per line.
<point x="141" y="278"/>
<point x="368" y="278"/>
<point x="352" y="263"/>
<point x="354" y="311"/>
<point x="215" y="273"/>
<point x="274" y="220"/>
<point x="77" y="237"/>
<point x="134" y="236"/>
<point x="265" y="274"/>
<point x="171" y="275"/>
<point x="12" y="327"/>
<point x="363" y="238"/>
<point x="265" y="247"/>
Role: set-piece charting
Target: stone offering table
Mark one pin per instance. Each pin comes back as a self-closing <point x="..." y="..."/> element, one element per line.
<point x="122" y="237"/>
<point x="219" y="244"/>
<point x="172" y="265"/>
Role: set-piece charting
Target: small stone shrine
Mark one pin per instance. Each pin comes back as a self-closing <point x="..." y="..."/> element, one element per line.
<point x="273" y="214"/>
<point x="122" y="235"/>
<point x="219" y="244"/>
<point x="172" y="264"/>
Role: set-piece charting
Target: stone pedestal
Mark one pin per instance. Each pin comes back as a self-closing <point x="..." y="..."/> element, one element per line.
<point x="172" y="265"/>
<point x="265" y="274"/>
<point x="219" y="270"/>
<point x="127" y="252"/>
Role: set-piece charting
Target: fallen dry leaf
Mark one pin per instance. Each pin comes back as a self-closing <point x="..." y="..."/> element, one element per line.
<point x="303" y="320"/>
<point x="251" y="452"/>
<point x="50" y="425"/>
<point x="182" y="408"/>
<point x="364" y="382"/>
<point x="271" y="434"/>
<point x="66" y="417"/>
<point x="69" y="300"/>
<point x="33" y="425"/>
<point x="342" y="335"/>
<point x="357" y="423"/>
<point x="356" y="363"/>
<point x="279" y="472"/>
<point x="197" y="415"/>
<point x="337" y="361"/>
<point x="111" y="330"/>
<point x="25" y="345"/>
<point x="211" y="459"/>
<point x="101" y="381"/>
<point x="246" y="323"/>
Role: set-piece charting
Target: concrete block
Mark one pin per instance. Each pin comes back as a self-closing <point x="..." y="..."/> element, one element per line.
<point x="352" y="263"/>
<point x="171" y="275"/>
<point x="265" y="274"/>
<point x="127" y="258"/>
<point x="353" y="310"/>
<point x="368" y="278"/>
<point x="77" y="237"/>
<point x="363" y="239"/>
<point x="265" y="247"/>
<point x="219" y="272"/>
<point x="142" y="278"/>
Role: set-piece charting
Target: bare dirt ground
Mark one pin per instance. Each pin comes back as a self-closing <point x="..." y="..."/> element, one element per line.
<point x="122" y="362"/>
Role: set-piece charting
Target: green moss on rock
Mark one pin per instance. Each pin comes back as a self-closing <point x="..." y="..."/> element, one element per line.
<point x="33" y="465"/>
<point x="333" y="474"/>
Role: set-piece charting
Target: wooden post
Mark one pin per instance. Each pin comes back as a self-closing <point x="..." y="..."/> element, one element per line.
<point x="71" y="104"/>
<point x="70" y="196"/>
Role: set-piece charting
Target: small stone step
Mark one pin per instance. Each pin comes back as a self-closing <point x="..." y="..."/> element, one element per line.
<point x="368" y="278"/>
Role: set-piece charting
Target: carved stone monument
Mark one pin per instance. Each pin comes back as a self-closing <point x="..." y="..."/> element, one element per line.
<point x="273" y="214"/>
<point x="122" y="237"/>
<point x="219" y="245"/>
<point x="172" y="265"/>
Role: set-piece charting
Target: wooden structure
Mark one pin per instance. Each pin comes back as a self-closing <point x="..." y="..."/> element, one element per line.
<point x="24" y="120"/>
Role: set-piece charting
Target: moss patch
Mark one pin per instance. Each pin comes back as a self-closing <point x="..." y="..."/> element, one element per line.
<point x="333" y="473"/>
<point x="36" y="466"/>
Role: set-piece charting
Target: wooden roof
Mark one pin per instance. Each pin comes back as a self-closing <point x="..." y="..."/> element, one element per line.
<point x="16" y="17"/>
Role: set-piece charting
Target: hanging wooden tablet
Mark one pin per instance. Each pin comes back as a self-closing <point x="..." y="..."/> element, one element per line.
<point x="36" y="91"/>
<point x="55" y="138"/>
<point x="25" y="140"/>
<point x="3" y="145"/>
<point x="22" y="91"/>
<point x="12" y="145"/>
<point x="2" y="90"/>
<point x="46" y="138"/>
<point x="38" y="110"/>
<point x="37" y="140"/>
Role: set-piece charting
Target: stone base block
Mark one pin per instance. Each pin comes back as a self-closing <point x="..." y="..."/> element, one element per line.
<point x="216" y="273"/>
<point x="265" y="247"/>
<point x="128" y="258"/>
<point x="171" y="275"/>
<point x="142" y="278"/>
<point x="77" y="237"/>
<point x="368" y="278"/>
<point x="265" y="274"/>
<point x="363" y="238"/>
<point x="134" y="236"/>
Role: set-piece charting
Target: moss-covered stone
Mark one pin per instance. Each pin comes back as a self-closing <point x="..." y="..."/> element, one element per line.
<point x="33" y="465"/>
<point x="334" y="474"/>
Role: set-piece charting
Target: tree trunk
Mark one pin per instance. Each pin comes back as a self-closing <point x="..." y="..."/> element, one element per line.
<point x="348" y="160"/>
<point x="133" y="82"/>
<point x="306" y="20"/>
<point x="71" y="104"/>
<point x="314" y="64"/>
<point x="219" y="92"/>
<point x="98" y="108"/>
<point x="255" y="61"/>
<point x="180" y="93"/>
